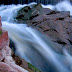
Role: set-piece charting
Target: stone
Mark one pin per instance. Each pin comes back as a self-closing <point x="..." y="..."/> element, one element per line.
<point x="19" y="61"/>
<point x="56" y="25"/>
<point x="30" y="14"/>
<point x="1" y="55"/>
<point x="6" y="68"/>
<point x="4" y="39"/>
<point x="47" y="11"/>
<point x="68" y="19"/>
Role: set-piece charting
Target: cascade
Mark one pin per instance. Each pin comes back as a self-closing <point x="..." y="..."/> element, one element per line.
<point x="33" y="46"/>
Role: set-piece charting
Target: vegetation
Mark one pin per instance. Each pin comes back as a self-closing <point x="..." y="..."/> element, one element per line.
<point x="32" y="68"/>
<point x="0" y="32"/>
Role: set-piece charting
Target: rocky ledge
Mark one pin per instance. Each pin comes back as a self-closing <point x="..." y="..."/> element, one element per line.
<point x="55" y="24"/>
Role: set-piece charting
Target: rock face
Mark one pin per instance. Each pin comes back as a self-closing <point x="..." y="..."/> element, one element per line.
<point x="7" y="64"/>
<point x="56" y="25"/>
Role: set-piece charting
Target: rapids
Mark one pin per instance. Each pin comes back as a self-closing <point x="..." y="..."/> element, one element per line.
<point x="33" y="46"/>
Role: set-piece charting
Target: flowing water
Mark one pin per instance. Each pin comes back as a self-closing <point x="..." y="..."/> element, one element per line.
<point x="33" y="46"/>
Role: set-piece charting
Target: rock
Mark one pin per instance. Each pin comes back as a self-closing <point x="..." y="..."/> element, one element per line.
<point x="58" y="31"/>
<point x="28" y="13"/>
<point x="19" y="61"/>
<point x="6" y="68"/>
<point x="47" y="11"/>
<point x="4" y="39"/>
<point x="22" y="12"/>
<point x="1" y="55"/>
<point x="56" y="16"/>
<point x="68" y="19"/>
<point x="55" y="24"/>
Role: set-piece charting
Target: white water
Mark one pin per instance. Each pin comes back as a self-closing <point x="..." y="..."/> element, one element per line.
<point x="61" y="6"/>
<point x="32" y="45"/>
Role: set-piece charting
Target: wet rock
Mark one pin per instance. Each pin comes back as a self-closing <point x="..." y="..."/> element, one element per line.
<point x="68" y="19"/>
<point x="6" y="68"/>
<point x="28" y="13"/>
<point x="4" y="39"/>
<point x="55" y="24"/>
<point x="58" y="31"/>
<point x="1" y="55"/>
<point x="55" y="16"/>
<point x="19" y="61"/>
<point x="47" y="11"/>
<point x="22" y="12"/>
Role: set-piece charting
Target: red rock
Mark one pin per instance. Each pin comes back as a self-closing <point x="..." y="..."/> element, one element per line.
<point x="7" y="51"/>
<point x="1" y="55"/>
<point x="11" y="63"/>
<point x="5" y="68"/>
<point x="18" y="68"/>
<point x="19" y="61"/>
<point x="4" y="40"/>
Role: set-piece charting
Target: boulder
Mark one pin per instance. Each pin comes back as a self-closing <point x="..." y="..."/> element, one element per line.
<point x="55" y="24"/>
<point x="28" y="13"/>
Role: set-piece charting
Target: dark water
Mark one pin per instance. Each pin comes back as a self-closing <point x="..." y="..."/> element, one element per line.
<point x="7" y="2"/>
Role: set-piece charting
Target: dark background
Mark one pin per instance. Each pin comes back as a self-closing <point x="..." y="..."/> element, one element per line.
<point x="7" y="2"/>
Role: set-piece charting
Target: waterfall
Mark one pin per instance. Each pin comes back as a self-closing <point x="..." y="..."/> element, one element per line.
<point x="33" y="46"/>
<point x="64" y="6"/>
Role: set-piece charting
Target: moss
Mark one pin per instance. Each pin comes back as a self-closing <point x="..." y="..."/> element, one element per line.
<point x="32" y="68"/>
<point x="0" y="32"/>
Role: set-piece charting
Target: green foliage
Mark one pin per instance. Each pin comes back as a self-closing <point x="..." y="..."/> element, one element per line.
<point x="34" y="69"/>
<point x="0" y="32"/>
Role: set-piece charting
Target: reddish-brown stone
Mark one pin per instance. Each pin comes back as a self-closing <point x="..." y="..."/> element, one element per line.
<point x="5" y="67"/>
<point x="19" y="61"/>
<point x="1" y="55"/>
<point x="4" y="39"/>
